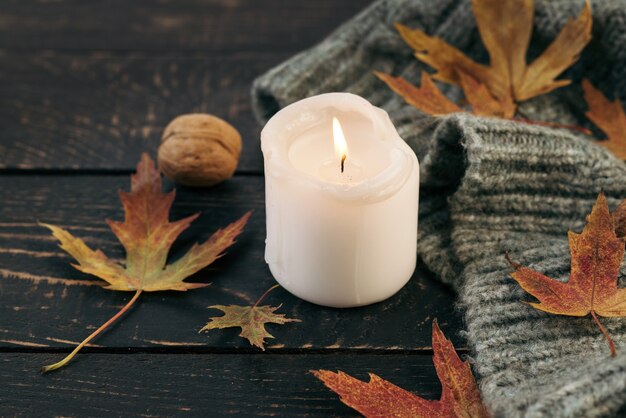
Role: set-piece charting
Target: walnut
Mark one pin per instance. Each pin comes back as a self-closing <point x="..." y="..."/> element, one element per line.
<point x="199" y="150"/>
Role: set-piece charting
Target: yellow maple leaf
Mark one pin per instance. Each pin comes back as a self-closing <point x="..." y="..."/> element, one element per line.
<point x="427" y="97"/>
<point x="505" y="28"/>
<point x="147" y="236"/>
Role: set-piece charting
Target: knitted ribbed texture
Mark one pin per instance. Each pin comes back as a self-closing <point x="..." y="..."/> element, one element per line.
<point x="490" y="185"/>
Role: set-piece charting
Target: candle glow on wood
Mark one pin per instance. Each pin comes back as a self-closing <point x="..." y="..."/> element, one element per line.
<point x="341" y="147"/>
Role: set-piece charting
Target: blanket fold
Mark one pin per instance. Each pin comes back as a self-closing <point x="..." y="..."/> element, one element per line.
<point x="491" y="185"/>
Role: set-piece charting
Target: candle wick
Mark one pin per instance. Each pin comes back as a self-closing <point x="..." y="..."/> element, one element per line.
<point x="343" y="160"/>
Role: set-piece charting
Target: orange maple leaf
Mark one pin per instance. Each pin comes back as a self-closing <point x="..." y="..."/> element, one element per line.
<point x="483" y="103"/>
<point x="609" y="117"/>
<point x="427" y="97"/>
<point x="493" y="90"/>
<point x="505" y="28"/>
<point x="460" y="396"/>
<point x="596" y="255"/>
<point x="147" y="236"/>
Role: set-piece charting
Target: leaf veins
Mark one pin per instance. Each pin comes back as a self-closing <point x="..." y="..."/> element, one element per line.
<point x="251" y="320"/>
<point x="505" y="28"/>
<point x="460" y="396"/>
<point x="596" y="255"/>
<point x="147" y="236"/>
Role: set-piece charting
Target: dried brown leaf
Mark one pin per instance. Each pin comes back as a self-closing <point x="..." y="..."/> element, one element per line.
<point x="596" y="255"/>
<point x="427" y="97"/>
<point x="505" y="28"/>
<point x="484" y="103"/>
<point x="609" y="117"/>
<point x="460" y="396"/>
<point x="540" y="76"/>
<point x="441" y="56"/>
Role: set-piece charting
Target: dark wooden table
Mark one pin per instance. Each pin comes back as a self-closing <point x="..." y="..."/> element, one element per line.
<point x="85" y="87"/>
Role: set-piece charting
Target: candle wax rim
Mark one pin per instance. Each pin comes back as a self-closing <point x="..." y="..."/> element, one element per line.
<point x="294" y="119"/>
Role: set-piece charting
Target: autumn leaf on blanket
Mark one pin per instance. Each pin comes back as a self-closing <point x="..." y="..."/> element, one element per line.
<point x="483" y="103"/>
<point x="505" y="28"/>
<point x="427" y="97"/>
<point x="493" y="90"/>
<point x="147" y="236"/>
<point x="251" y="320"/>
<point x="460" y="396"/>
<point x="596" y="255"/>
<point x="609" y="117"/>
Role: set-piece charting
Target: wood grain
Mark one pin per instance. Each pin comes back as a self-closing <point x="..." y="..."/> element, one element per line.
<point x="172" y="25"/>
<point x="47" y="303"/>
<point x="101" y="111"/>
<point x="91" y="85"/>
<point x="85" y="88"/>
<point x="159" y="385"/>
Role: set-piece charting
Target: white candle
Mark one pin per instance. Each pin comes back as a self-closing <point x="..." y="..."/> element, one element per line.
<point x="336" y="238"/>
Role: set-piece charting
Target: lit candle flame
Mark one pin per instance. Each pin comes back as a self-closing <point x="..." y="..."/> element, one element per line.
<point x="341" y="147"/>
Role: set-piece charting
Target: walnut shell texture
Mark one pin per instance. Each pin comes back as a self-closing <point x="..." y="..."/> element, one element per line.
<point x="199" y="150"/>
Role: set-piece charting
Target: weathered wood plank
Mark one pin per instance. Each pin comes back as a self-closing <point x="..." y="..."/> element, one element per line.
<point x="44" y="302"/>
<point x="196" y="385"/>
<point x="198" y="25"/>
<point x="101" y="110"/>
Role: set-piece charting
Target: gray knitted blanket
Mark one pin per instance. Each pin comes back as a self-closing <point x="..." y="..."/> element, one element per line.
<point x="491" y="185"/>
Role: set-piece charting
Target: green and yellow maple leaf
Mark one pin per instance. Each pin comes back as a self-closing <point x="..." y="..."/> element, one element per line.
<point x="251" y="320"/>
<point x="147" y="235"/>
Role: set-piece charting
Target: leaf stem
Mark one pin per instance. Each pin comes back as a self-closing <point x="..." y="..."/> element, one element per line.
<point x="265" y="294"/>
<point x="513" y="264"/>
<point x="606" y="334"/>
<point x="94" y="334"/>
